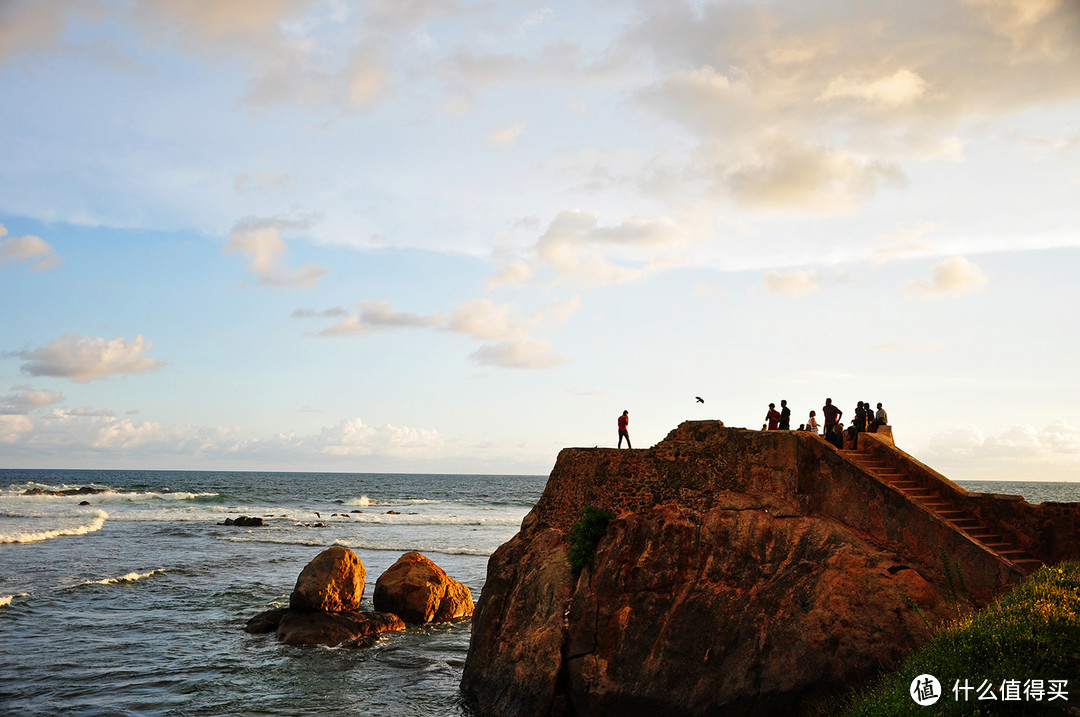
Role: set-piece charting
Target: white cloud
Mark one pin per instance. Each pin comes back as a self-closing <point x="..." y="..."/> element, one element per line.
<point x="374" y="315"/>
<point x="353" y="437"/>
<point x="13" y="427"/>
<point x="519" y="353"/>
<point x="513" y="273"/>
<point x="954" y="276"/>
<point x="86" y="358"/>
<point x="261" y="241"/>
<point x="1052" y="451"/>
<point x="797" y="282"/>
<point x="27" y="248"/>
<point x="901" y="88"/>
<point x="505" y="137"/>
<point x="25" y="400"/>
<point x="583" y="252"/>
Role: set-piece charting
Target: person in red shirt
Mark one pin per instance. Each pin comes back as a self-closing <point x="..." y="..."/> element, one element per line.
<point x="624" y="420"/>
<point x="773" y="417"/>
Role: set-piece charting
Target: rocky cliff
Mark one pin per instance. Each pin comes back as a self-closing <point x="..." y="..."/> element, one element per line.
<point x="746" y="572"/>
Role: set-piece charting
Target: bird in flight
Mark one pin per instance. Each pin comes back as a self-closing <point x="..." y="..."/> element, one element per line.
<point x="700" y="399"/>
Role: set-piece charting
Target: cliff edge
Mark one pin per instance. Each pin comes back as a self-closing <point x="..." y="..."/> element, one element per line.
<point x="746" y="572"/>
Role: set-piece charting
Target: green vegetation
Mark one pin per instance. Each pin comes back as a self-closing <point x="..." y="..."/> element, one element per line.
<point x="586" y="535"/>
<point x="1031" y="633"/>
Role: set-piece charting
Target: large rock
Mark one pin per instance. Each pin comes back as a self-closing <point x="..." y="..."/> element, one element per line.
<point x="419" y="591"/>
<point x="746" y="572"/>
<point x="332" y="582"/>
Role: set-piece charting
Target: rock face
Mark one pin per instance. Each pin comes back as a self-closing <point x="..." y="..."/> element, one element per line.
<point x="332" y="582"/>
<point x="324" y="606"/>
<point x="745" y="573"/>
<point x="419" y="591"/>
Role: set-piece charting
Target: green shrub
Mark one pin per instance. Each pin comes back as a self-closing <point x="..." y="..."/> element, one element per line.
<point x="1030" y="633"/>
<point x="586" y="535"/>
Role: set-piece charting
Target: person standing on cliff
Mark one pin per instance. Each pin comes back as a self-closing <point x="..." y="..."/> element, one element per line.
<point x="785" y="416"/>
<point x="811" y="424"/>
<point x="624" y="421"/>
<point x="772" y="417"/>
<point x="832" y="416"/>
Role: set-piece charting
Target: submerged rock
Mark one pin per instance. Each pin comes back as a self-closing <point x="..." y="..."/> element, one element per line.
<point x="332" y="582"/>
<point x="419" y="591"/>
<point x="335" y="628"/>
<point x="85" y="490"/>
<point x="245" y="521"/>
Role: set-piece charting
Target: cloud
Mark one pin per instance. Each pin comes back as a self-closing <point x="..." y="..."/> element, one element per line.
<point x="27" y="26"/>
<point x="513" y="273"/>
<point x="519" y="353"/>
<point x="796" y="110"/>
<point x="261" y="241"/>
<point x="787" y="173"/>
<point x="374" y="315"/>
<point x="13" y="428"/>
<point x="86" y="358"/>
<point x="583" y="252"/>
<point x="353" y="437"/>
<point x="24" y="400"/>
<point x="27" y="248"/>
<point x="901" y="88"/>
<point x="505" y="137"/>
<point x="954" y="277"/>
<point x="797" y="282"/>
<point x="1054" y="450"/>
<point x="481" y="319"/>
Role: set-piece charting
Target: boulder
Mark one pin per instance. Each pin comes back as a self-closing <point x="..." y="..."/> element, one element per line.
<point x="245" y="521"/>
<point x="419" y="591"/>
<point x="332" y="582"/>
<point x="334" y="629"/>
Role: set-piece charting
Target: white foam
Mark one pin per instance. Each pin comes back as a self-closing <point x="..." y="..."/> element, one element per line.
<point x="361" y="501"/>
<point x="5" y="600"/>
<point x="129" y="578"/>
<point x="98" y="518"/>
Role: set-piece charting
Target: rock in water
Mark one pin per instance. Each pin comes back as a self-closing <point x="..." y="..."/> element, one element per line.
<point x="350" y="629"/>
<point x="332" y="582"/>
<point x="419" y="591"/>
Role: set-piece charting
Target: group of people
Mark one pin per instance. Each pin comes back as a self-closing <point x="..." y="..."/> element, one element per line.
<point x="866" y="420"/>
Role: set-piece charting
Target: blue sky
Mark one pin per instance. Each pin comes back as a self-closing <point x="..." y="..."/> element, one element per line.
<point x="450" y="236"/>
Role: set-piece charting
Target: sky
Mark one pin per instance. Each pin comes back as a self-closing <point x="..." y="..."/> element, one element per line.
<point x="446" y="236"/>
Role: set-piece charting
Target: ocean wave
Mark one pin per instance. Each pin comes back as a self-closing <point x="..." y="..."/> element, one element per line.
<point x="96" y="493"/>
<point x="399" y="548"/>
<point x="96" y="523"/>
<point x="434" y="519"/>
<point x="129" y="578"/>
<point x="361" y="501"/>
<point x="272" y="541"/>
<point x="5" y="600"/>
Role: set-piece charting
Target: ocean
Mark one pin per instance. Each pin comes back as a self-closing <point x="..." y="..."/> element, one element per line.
<point x="135" y="604"/>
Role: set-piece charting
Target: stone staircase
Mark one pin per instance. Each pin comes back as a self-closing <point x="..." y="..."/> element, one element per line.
<point x="949" y="510"/>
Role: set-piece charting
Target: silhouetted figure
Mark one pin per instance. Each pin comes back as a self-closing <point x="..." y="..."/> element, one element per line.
<point x="881" y="418"/>
<point x="832" y="416"/>
<point x="811" y="424"/>
<point x="772" y="418"/>
<point x="700" y="399"/>
<point x="785" y="416"/>
<point x="859" y="424"/>
<point x="624" y="421"/>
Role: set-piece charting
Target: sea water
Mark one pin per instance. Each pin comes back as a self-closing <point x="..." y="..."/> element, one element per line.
<point x="135" y="604"/>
